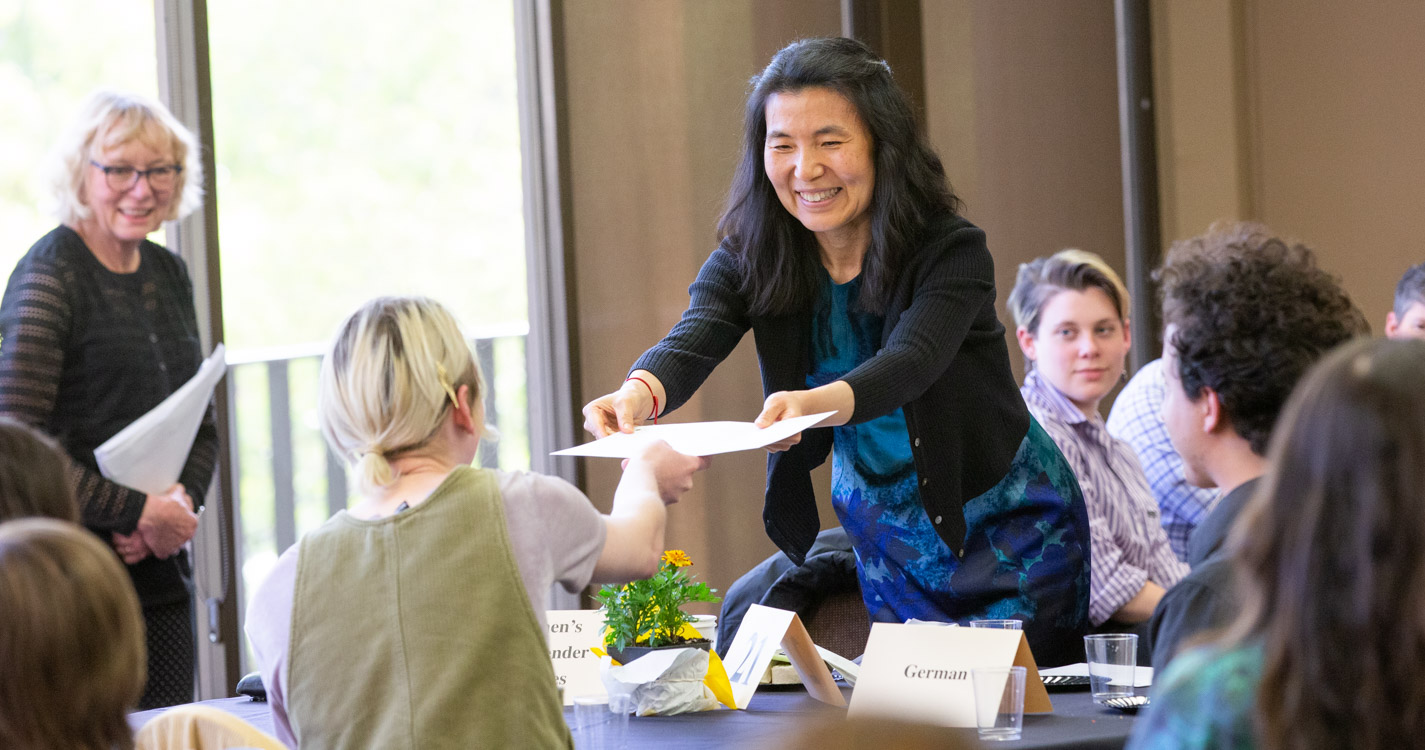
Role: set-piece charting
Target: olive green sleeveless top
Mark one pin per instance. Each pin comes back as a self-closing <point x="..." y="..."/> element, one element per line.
<point x="415" y="631"/>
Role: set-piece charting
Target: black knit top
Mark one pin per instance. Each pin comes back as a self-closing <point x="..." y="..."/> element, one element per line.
<point x="943" y="358"/>
<point x="84" y="352"/>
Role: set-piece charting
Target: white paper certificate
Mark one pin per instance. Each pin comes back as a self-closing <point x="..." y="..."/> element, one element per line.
<point x="149" y="454"/>
<point x="696" y="438"/>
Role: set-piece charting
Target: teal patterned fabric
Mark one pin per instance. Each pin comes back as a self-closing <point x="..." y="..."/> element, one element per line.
<point x="1016" y="558"/>
<point x="1204" y="699"/>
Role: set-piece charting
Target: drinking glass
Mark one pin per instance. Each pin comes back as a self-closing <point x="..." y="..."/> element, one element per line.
<point x="999" y="702"/>
<point x="1000" y="624"/>
<point x="596" y="725"/>
<point x="1113" y="662"/>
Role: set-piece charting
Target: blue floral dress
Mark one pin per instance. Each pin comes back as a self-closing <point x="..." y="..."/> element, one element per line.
<point x="1013" y="552"/>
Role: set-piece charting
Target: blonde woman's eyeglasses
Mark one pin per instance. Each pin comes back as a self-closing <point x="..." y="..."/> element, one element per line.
<point x="122" y="178"/>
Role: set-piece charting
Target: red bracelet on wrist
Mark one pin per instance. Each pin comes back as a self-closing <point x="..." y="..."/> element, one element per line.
<point x="654" y="417"/>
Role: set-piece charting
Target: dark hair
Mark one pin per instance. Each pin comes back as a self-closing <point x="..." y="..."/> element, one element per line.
<point x="1410" y="289"/>
<point x="1253" y="313"/>
<point x="1331" y="557"/>
<point x="34" y="475"/>
<point x="777" y="256"/>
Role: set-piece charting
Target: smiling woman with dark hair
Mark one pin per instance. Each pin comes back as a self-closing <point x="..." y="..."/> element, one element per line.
<point x="871" y="297"/>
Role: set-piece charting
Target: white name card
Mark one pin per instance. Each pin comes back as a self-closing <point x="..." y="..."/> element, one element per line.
<point x="763" y="629"/>
<point x="922" y="672"/>
<point x="572" y="632"/>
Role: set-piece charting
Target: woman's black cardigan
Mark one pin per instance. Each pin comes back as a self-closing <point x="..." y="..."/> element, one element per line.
<point x="943" y="357"/>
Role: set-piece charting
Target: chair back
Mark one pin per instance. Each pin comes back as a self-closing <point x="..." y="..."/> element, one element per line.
<point x="196" y="727"/>
<point x="839" y="623"/>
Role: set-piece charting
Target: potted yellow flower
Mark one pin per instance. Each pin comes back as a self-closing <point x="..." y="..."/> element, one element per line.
<point x="645" y="615"/>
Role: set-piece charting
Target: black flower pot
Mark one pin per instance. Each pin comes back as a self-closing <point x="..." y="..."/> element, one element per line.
<point x="627" y="655"/>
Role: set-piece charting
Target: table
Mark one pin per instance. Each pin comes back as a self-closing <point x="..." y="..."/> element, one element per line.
<point x="1076" y="724"/>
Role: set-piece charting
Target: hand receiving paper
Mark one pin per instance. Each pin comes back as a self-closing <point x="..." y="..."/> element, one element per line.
<point x="672" y="470"/>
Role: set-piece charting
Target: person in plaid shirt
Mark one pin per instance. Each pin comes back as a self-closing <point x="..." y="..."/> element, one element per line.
<point x="1137" y="419"/>
<point x="1070" y="312"/>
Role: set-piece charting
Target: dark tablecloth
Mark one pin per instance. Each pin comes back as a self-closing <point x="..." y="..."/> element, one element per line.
<point x="1076" y="724"/>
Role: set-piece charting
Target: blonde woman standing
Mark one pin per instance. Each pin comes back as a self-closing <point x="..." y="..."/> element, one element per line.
<point x="416" y="618"/>
<point x="99" y="327"/>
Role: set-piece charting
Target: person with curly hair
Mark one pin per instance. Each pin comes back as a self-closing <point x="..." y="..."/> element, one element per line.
<point x="1246" y="314"/>
<point x="1326" y="650"/>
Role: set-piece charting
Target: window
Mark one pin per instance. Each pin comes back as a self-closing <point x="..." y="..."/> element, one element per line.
<point x="362" y="150"/>
<point x="52" y="54"/>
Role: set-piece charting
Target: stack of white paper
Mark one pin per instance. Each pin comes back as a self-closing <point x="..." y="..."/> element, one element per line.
<point x="149" y="454"/>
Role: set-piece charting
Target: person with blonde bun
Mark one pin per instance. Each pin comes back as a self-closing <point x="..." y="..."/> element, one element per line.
<point x="416" y="618"/>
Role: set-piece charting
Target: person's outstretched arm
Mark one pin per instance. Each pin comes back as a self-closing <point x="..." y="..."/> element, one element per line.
<point x="652" y="480"/>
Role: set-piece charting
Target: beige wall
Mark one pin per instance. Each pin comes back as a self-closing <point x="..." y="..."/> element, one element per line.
<point x="1337" y="154"/>
<point x="1022" y="106"/>
<point x="1202" y="121"/>
<point x="1297" y="113"/>
<point x="1315" y="108"/>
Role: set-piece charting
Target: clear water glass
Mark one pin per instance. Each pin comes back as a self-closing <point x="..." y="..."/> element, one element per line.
<point x="999" y="702"/>
<point x="1113" y="664"/>
<point x="999" y="624"/>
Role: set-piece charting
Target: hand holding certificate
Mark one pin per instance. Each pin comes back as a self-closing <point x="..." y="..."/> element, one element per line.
<point x="697" y="438"/>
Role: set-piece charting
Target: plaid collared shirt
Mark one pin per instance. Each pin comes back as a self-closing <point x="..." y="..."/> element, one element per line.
<point x="1129" y="546"/>
<point x="1137" y="420"/>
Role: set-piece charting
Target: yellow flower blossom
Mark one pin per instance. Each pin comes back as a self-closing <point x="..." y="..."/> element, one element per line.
<point x="677" y="558"/>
